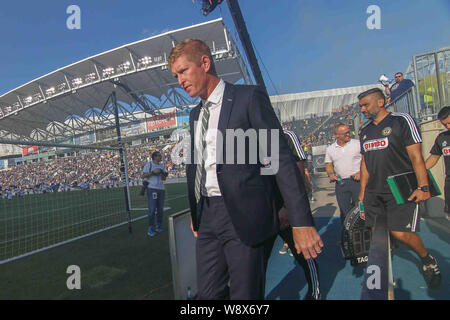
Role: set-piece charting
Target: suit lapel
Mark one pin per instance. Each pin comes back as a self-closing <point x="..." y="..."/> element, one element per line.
<point x="227" y="105"/>
<point x="195" y="114"/>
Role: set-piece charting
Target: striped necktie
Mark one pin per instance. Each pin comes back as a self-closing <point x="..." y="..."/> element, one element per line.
<point x="200" y="174"/>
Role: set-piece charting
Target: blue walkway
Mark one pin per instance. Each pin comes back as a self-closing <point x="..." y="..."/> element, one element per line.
<point x="341" y="281"/>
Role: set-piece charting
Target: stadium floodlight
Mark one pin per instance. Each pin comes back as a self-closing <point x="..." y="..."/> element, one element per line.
<point x="124" y="67"/>
<point x="61" y="86"/>
<point x="37" y="97"/>
<point x="51" y="91"/>
<point x="77" y="82"/>
<point x="90" y="77"/>
<point x="143" y="62"/>
<point x="107" y="72"/>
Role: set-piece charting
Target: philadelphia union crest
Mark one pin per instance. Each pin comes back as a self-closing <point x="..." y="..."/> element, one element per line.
<point x="386" y="131"/>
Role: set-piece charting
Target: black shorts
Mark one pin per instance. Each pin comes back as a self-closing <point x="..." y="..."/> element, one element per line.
<point x="404" y="217"/>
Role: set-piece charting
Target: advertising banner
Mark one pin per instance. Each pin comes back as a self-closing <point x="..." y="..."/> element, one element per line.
<point x="86" y="139"/>
<point x="161" y="121"/>
<point x="133" y="129"/>
<point x="29" y="150"/>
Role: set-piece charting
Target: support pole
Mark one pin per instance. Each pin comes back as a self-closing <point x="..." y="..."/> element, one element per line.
<point x="123" y="171"/>
<point x="239" y="22"/>
<point x="378" y="279"/>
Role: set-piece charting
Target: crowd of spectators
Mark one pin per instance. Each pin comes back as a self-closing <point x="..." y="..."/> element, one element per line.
<point x="83" y="170"/>
<point x="318" y="130"/>
<point x="89" y="169"/>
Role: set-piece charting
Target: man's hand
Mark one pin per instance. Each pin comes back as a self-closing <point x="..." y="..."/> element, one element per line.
<point x="307" y="241"/>
<point x="333" y="177"/>
<point x="356" y="176"/>
<point x="192" y="228"/>
<point x="419" y="195"/>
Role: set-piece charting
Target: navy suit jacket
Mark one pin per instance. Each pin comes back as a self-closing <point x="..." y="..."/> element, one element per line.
<point x="252" y="200"/>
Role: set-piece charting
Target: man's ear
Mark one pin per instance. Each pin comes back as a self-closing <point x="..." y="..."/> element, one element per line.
<point x="206" y="63"/>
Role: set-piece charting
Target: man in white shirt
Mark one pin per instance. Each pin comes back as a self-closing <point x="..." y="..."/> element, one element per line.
<point x="155" y="173"/>
<point x="343" y="160"/>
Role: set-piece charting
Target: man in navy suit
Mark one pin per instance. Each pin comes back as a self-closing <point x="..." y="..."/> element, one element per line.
<point x="233" y="200"/>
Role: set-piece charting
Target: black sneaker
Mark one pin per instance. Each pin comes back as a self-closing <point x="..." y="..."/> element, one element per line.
<point x="432" y="274"/>
<point x="310" y="296"/>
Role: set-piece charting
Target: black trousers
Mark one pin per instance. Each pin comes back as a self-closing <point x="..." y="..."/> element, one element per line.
<point x="347" y="193"/>
<point x="226" y="267"/>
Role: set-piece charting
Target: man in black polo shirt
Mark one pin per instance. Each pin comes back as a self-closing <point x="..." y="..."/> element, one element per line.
<point x="442" y="147"/>
<point x="310" y="266"/>
<point x="391" y="144"/>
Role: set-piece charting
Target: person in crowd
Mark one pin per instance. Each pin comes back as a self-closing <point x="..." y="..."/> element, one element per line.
<point x="399" y="86"/>
<point x="155" y="173"/>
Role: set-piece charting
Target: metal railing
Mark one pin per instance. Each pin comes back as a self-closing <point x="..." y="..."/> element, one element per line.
<point x="431" y="74"/>
<point x="405" y="103"/>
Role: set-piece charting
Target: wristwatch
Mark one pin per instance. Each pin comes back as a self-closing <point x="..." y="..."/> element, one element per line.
<point x="424" y="188"/>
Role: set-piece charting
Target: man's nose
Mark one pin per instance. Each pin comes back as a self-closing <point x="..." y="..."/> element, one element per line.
<point x="180" y="81"/>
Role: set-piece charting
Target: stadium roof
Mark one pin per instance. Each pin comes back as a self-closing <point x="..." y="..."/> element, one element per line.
<point x="302" y="105"/>
<point x="59" y="103"/>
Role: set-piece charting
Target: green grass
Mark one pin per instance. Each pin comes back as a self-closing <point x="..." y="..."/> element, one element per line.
<point x="114" y="264"/>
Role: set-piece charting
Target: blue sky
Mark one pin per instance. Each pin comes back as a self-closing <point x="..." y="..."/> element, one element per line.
<point x="304" y="45"/>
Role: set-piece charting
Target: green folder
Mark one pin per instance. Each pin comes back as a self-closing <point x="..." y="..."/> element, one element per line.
<point x="403" y="185"/>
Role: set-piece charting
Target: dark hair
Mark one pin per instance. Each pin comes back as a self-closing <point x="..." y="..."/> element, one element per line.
<point x="444" y="113"/>
<point x="155" y="153"/>
<point x="370" y="91"/>
<point x="399" y="73"/>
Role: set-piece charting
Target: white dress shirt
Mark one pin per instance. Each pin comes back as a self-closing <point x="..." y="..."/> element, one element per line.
<point x="215" y="105"/>
<point x="346" y="159"/>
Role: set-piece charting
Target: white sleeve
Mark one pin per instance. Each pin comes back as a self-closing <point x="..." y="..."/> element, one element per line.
<point x="328" y="156"/>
